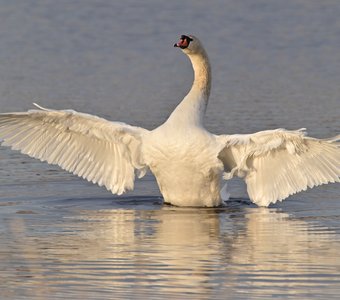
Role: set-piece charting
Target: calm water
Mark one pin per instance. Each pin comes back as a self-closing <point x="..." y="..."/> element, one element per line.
<point x="275" y="64"/>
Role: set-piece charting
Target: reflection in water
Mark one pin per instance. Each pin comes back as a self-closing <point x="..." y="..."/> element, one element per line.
<point x="284" y="256"/>
<point x="203" y="253"/>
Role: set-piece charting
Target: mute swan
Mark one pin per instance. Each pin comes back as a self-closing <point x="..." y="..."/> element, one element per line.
<point x="186" y="159"/>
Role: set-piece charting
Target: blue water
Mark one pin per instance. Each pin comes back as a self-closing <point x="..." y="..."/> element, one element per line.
<point x="275" y="64"/>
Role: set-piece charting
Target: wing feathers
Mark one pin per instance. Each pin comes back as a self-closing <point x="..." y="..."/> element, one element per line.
<point x="279" y="163"/>
<point x="103" y="152"/>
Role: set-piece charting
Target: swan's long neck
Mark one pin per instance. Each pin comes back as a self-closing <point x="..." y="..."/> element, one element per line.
<point x="192" y="108"/>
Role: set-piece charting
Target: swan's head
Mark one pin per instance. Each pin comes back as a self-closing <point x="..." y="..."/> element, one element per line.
<point x="189" y="44"/>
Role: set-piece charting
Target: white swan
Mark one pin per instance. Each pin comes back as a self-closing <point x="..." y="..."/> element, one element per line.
<point x="185" y="158"/>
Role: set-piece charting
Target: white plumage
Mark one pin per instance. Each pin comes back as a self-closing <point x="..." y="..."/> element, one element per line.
<point x="186" y="159"/>
<point x="103" y="152"/>
<point x="278" y="163"/>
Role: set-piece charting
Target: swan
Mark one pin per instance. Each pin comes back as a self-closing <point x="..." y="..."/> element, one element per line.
<point x="186" y="160"/>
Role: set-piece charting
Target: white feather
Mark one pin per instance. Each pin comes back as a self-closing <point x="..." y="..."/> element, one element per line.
<point x="100" y="151"/>
<point x="278" y="163"/>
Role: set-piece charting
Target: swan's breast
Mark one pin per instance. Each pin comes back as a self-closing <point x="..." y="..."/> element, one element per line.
<point x="186" y="167"/>
<point x="191" y="147"/>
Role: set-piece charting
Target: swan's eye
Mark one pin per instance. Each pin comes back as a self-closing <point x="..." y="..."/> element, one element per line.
<point x="186" y="38"/>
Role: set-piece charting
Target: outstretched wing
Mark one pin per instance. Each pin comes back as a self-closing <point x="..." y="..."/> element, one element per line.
<point x="103" y="152"/>
<point x="278" y="163"/>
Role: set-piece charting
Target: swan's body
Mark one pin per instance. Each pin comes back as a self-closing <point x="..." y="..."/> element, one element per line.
<point x="186" y="159"/>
